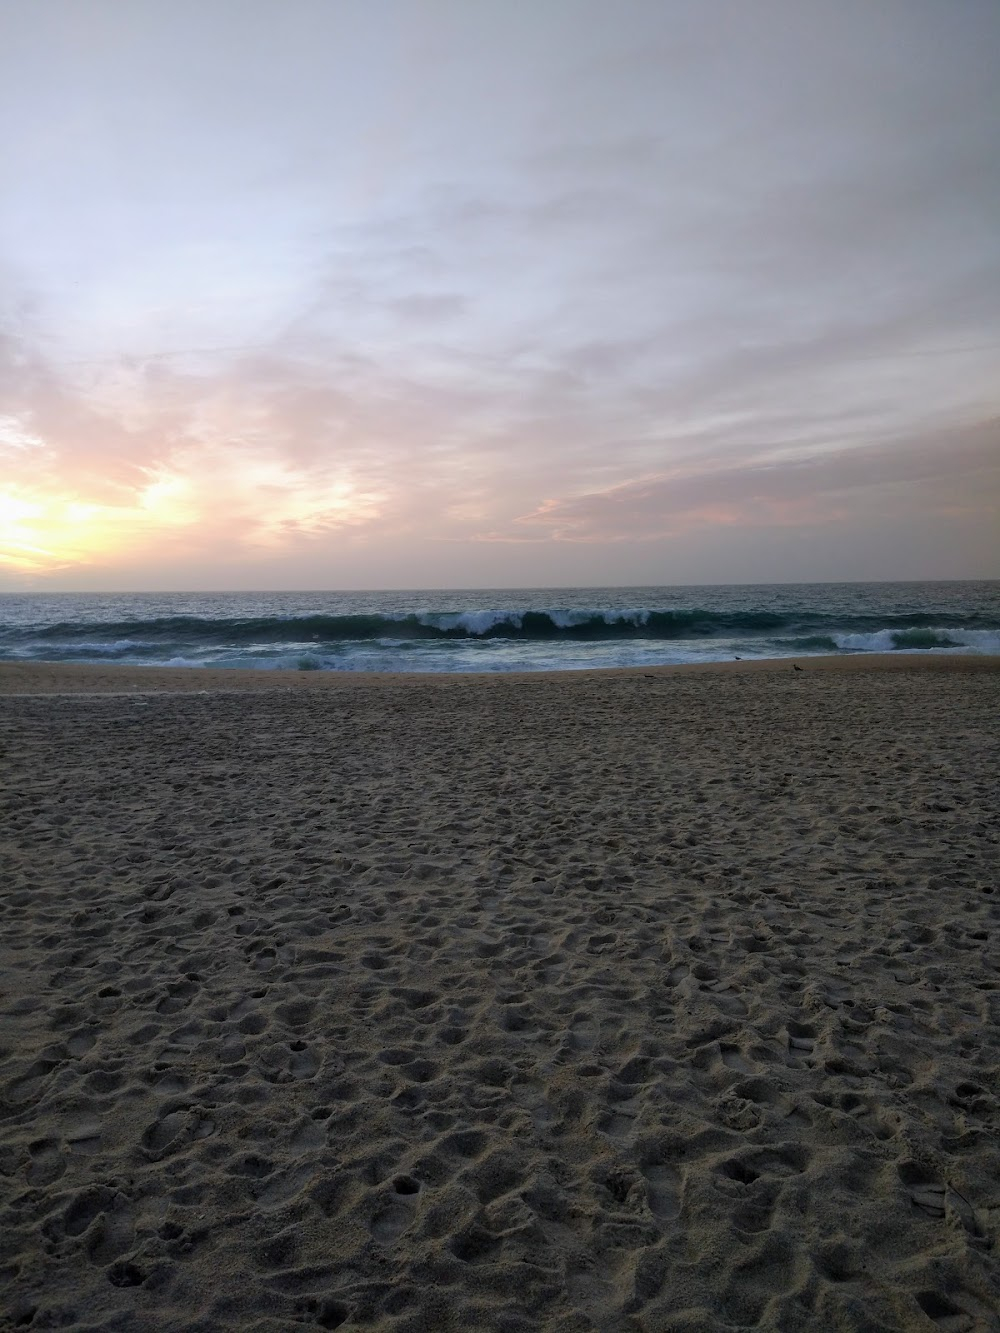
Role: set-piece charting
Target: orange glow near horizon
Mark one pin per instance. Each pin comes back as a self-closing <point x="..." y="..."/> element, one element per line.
<point x="214" y="500"/>
<point x="43" y="533"/>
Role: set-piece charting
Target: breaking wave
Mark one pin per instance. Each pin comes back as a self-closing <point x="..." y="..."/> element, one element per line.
<point x="808" y="629"/>
<point x="523" y="629"/>
<point x="893" y="640"/>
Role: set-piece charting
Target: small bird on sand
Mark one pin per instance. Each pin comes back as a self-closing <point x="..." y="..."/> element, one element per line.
<point x="739" y="659"/>
<point x="796" y="667"/>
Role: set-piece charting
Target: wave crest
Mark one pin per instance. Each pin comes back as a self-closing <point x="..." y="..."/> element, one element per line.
<point x="806" y="630"/>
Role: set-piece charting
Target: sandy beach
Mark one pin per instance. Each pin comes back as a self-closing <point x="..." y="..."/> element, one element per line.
<point x="621" y="1001"/>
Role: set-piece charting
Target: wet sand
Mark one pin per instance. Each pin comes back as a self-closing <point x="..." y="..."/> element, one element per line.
<point x="640" y="1000"/>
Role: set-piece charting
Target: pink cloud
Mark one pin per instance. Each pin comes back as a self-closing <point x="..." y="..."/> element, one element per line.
<point x="947" y="473"/>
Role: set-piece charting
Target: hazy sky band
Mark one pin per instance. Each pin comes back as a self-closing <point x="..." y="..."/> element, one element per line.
<point x="569" y="293"/>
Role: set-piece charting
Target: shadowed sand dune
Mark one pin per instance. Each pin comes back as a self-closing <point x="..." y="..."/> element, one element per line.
<point x="624" y="1001"/>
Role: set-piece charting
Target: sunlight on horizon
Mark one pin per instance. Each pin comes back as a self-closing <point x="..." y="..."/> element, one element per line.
<point x="258" y="504"/>
<point x="46" y="533"/>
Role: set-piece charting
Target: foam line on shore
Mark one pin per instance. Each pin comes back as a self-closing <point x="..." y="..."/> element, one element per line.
<point x="64" y="678"/>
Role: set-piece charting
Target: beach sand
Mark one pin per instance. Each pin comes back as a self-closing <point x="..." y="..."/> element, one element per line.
<point x="650" y="1000"/>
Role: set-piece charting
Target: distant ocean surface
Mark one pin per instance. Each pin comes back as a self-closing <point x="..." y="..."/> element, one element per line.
<point x="513" y="629"/>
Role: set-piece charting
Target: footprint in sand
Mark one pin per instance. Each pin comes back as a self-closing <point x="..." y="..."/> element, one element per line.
<point x="281" y="1186"/>
<point x="663" y="1191"/>
<point x="83" y="1135"/>
<point x="960" y="1312"/>
<point x="80" y="1042"/>
<point x="677" y="974"/>
<point x="755" y="1215"/>
<point x="925" y="1190"/>
<point x="102" y="1218"/>
<point x="47" y="1163"/>
<point x="583" y="1033"/>
<point x="801" y="1040"/>
<point x="390" y="1221"/>
<point x="304" y="1063"/>
<point x="531" y="1097"/>
<point x="179" y="995"/>
<point x="733" y="1058"/>
<point x="619" y="1123"/>
<point x="126" y="1274"/>
<point x="936" y="1199"/>
<point x="173" y="1131"/>
<point x="726" y="997"/>
<point x="307" y="1136"/>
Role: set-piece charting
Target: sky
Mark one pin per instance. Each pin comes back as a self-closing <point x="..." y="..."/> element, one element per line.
<point x="422" y="293"/>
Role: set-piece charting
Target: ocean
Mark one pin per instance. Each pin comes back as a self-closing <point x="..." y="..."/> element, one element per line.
<point x="513" y="629"/>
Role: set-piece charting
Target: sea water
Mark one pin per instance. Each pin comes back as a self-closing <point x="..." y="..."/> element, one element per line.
<point x="510" y="629"/>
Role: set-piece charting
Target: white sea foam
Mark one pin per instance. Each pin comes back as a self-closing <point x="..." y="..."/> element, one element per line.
<point x="479" y="623"/>
<point x="920" y="640"/>
<point x="568" y="619"/>
<point x="100" y="647"/>
<point x="473" y="622"/>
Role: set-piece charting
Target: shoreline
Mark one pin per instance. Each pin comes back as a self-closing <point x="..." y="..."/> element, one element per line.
<point x="43" y="678"/>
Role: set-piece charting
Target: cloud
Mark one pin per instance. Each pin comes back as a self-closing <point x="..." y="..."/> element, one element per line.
<point x="430" y="308"/>
<point x="152" y="458"/>
<point x="565" y="278"/>
<point x="956" y="472"/>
